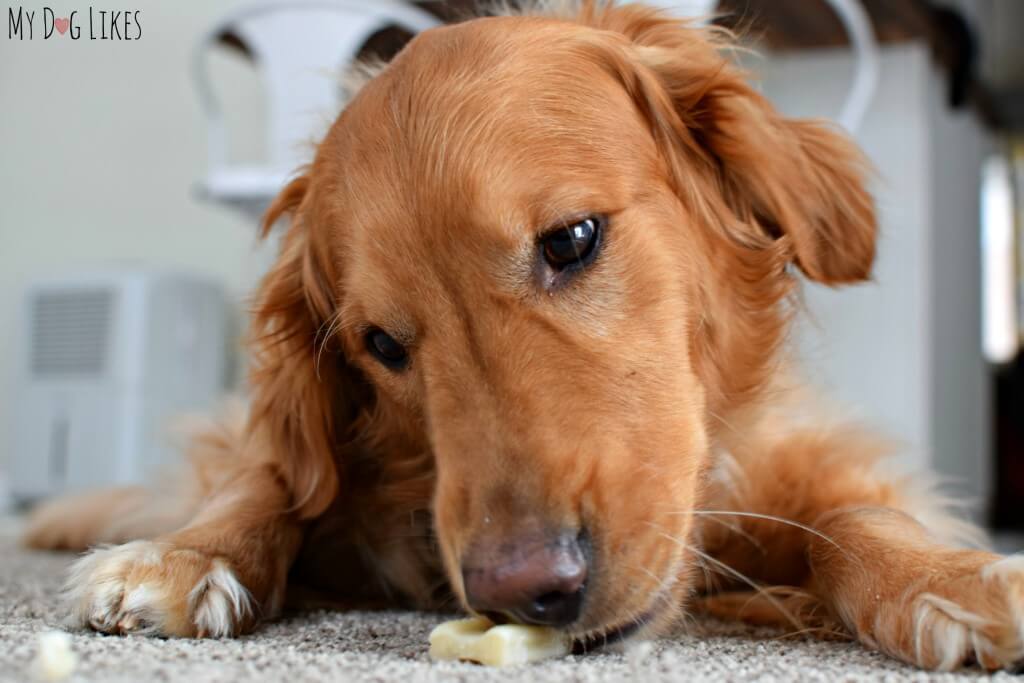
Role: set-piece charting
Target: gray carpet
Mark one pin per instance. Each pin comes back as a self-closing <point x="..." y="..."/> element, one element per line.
<point x="392" y="646"/>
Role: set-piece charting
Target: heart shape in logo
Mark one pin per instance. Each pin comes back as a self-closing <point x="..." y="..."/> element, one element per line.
<point x="61" y="25"/>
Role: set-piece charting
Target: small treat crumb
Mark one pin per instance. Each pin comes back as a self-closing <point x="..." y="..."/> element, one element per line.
<point x="55" y="660"/>
<point x="479" y="640"/>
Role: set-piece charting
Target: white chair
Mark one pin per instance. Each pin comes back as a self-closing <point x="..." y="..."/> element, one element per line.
<point x="296" y="46"/>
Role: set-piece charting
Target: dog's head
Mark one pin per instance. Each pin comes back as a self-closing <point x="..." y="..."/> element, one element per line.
<point x="551" y="253"/>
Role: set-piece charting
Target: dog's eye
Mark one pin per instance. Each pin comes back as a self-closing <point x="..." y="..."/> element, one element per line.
<point x="573" y="245"/>
<point x="384" y="348"/>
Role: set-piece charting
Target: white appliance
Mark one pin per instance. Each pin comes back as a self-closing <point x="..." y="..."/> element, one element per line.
<point x="105" y="363"/>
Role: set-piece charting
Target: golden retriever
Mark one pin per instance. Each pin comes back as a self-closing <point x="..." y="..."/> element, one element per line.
<point x="524" y="344"/>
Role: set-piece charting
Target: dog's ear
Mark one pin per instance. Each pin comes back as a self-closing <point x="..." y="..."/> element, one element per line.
<point x="301" y="398"/>
<point x="803" y="181"/>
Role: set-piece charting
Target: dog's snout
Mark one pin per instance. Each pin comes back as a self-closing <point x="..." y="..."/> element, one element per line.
<point x="530" y="580"/>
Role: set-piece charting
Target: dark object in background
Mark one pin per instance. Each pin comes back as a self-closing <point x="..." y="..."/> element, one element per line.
<point x="385" y="44"/>
<point x="1008" y="507"/>
<point x="959" y="53"/>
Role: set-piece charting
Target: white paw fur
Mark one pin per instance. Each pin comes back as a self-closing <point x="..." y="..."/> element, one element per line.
<point x="219" y="602"/>
<point x="949" y="633"/>
<point x="151" y="588"/>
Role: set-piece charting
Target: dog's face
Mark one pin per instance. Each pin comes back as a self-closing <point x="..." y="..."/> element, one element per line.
<point x="515" y="275"/>
<point x="555" y="258"/>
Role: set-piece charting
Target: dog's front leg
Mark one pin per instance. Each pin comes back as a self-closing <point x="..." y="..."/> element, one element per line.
<point x="218" y="576"/>
<point x="900" y="591"/>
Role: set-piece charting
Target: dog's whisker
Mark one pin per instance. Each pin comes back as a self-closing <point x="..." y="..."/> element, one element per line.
<point x="772" y="518"/>
<point x="709" y="581"/>
<point x="333" y="326"/>
<point x="738" y="530"/>
<point x="642" y="619"/>
<point x="663" y="584"/>
<point x="721" y="419"/>
<point x="450" y="600"/>
<point x="735" y="573"/>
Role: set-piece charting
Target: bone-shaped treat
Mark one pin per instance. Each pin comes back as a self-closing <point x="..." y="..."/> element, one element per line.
<point x="479" y="640"/>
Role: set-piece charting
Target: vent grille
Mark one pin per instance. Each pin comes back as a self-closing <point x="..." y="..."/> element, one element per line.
<point x="70" y="331"/>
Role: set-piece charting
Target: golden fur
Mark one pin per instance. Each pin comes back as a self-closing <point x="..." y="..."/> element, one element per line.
<point x="645" y="399"/>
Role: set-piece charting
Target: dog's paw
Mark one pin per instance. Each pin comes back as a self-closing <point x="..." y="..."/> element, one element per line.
<point x="157" y="589"/>
<point x="961" y="618"/>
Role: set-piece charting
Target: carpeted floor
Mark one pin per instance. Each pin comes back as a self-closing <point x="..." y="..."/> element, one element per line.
<point x="383" y="647"/>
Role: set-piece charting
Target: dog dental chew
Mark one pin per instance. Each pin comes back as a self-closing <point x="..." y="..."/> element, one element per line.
<point x="479" y="640"/>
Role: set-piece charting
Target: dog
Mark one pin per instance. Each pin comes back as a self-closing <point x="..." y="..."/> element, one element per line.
<point x="524" y="347"/>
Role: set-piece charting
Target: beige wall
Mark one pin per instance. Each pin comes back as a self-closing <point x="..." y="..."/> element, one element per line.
<point x="100" y="144"/>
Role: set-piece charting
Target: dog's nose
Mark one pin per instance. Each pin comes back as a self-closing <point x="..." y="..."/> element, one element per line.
<point x="533" y="580"/>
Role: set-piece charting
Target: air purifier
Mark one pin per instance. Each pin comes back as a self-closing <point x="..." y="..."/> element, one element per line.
<point x="106" y="361"/>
